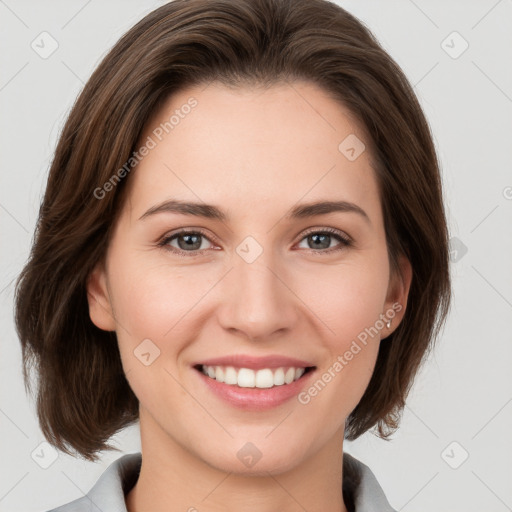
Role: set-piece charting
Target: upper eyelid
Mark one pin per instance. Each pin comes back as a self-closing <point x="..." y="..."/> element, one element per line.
<point x="185" y="230"/>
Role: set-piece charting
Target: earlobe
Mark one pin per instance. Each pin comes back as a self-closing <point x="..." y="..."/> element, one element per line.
<point x="100" y="308"/>
<point x="398" y="292"/>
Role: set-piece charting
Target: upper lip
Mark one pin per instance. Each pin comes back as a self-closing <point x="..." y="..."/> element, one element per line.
<point x="255" y="363"/>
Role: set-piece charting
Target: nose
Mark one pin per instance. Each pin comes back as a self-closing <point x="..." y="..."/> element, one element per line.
<point x="259" y="301"/>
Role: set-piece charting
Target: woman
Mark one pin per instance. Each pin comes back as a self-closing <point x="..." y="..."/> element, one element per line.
<point x="243" y="246"/>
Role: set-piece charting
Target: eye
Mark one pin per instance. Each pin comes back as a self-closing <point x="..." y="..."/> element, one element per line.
<point x="189" y="242"/>
<point x="320" y="240"/>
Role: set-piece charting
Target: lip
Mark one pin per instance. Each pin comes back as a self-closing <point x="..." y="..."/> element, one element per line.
<point x="255" y="363"/>
<point x="255" y="399"/>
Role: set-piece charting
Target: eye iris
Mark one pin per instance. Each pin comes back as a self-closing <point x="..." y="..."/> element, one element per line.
<point x="192" y="241"/>
<point x="322" y="244"/>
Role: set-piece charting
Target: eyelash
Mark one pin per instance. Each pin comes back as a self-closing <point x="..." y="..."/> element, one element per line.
<point x="344" y="240"/>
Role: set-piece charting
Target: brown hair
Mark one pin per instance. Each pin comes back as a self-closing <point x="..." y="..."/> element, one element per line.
<point x="83" y="395"/>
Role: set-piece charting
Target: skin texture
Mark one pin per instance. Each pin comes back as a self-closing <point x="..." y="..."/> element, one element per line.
<point x="255" y="154"/>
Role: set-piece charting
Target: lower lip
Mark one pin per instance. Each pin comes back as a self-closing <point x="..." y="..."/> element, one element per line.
<point x="256" y="399"/>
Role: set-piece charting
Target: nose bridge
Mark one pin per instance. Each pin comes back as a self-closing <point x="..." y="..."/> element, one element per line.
<point x="257" y="302"/>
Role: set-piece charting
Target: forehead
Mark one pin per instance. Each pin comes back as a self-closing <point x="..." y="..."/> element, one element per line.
<point x="250" y="146"/>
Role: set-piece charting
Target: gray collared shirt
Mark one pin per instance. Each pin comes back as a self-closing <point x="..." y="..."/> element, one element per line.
<point x="108" y="493"/>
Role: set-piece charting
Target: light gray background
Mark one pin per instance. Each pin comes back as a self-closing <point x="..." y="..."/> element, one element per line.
<point x="464" y="392"/>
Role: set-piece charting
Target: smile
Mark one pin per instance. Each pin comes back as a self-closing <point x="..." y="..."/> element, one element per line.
<point x="254" y="383"/>
<point x="248" y="378"/>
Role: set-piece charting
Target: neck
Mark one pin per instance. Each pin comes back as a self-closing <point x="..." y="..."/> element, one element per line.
<point x="173" y="478"/>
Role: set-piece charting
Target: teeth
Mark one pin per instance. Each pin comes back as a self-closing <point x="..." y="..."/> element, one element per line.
<point x="247" y="378"/>
<point x="279" y="377"/>
<point x="264" y="378"/>
<point x="230" y="377"/>
<point x="289" y="375"/>
<point x="219" y="374"/>
<point x="299" y="372"/>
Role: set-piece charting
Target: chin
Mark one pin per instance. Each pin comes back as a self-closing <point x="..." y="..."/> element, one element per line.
<point x="245" y="458"/>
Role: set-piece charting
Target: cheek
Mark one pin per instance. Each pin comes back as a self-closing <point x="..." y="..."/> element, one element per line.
<point x="151" y="300"/>
<point x="348" y="299"/>
<point x="348" y="302"/>
<point x="153" y="306"/>
<point x="160" y="310"/>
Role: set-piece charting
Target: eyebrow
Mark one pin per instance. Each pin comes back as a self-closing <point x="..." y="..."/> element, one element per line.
<point x="209" y="211"/>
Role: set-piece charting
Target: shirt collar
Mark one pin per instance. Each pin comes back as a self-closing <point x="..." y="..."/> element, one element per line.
<point x="108" y="494"/>
<point x="368" y="495"/>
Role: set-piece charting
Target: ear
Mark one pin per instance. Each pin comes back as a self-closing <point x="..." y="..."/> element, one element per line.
<point x="398" y="292"/>
<point x="100" y="307"/>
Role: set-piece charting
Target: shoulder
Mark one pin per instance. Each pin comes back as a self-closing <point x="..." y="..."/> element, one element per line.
<point x="108" y="493"/>
<point x="366" y="493"/>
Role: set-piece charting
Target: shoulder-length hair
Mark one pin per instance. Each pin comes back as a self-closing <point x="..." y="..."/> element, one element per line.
<point x="83" y="397"/>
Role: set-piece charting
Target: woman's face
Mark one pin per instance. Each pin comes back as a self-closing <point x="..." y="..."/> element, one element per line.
<point x="261" y="282"/>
